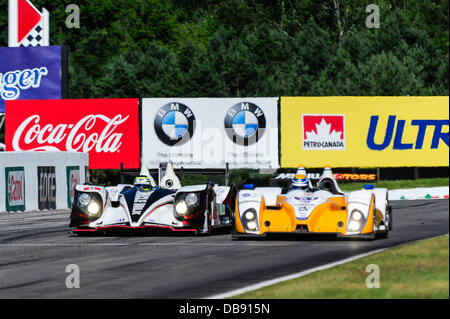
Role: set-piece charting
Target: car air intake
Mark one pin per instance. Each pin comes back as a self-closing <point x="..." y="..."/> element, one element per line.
<point x="302" y="229"/>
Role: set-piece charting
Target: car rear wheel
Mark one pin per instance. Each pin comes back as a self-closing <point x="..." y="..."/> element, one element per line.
<point x="383" y="234"/>
<point x="389" y="217"/>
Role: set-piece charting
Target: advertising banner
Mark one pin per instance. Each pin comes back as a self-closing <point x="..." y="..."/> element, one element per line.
<point x="27" y="26"/>
<point x="107" y="129"/>
<point x="46" y="187"/>
<point x="30" y="73"/>
<point x="338" y="176"/>
<point x="73" y="179"/>
<point x="15" y="189"/>
<point x="364" y="131"/>
<point x="210" y="132"/>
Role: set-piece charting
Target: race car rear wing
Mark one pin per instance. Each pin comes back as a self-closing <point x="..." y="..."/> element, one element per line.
<point x="162" y="170"/>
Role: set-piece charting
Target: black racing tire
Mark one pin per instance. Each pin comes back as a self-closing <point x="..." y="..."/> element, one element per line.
<point x="382" y="235"/>
<point x="233" y="232"/>
<point x="87" y="233"/>
<point x="390" y="226"/>
<point x="232" y="218"/>
<point x="209" y="224"/>
<point x="208" y="231"/>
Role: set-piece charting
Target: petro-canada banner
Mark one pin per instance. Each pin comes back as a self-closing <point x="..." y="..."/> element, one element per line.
<point x="364" y="131"/>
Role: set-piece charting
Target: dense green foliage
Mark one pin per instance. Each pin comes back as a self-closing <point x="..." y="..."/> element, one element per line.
<point x="135" y="48"/>
<point x="153" y="48"/>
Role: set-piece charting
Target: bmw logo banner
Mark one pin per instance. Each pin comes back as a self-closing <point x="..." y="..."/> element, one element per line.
<point x="210" y="132"/>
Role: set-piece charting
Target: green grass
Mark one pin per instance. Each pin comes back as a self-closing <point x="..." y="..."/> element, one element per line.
<point x="419" y="270"/>
<point x="397" y="184"/>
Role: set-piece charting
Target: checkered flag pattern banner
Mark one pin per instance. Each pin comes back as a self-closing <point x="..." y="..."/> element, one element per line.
<point x="27" y="26"/>
<point x="35" y="37"/>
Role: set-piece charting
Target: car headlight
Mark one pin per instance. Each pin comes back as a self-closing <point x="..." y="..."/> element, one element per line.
<point x="84" y="199"/>
<point x="191" y="199"/>
<point x="249" y="219"/>
<point x="188" y="203"/>
<point x="357" y="216"/>
<point x="252" y="225"/>
<point x="94" y="209"/>
<point x="354" y="226"/>
<point x="181" y="208"/>
<point x="356" y="221"/>
<point x="90" y="204"/>
<point x="249" y="215"/>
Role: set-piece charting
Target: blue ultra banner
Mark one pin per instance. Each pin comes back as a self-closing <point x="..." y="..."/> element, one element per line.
<point x="29" y="73"/>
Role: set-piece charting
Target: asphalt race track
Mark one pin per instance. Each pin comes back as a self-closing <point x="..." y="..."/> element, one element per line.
<point x="36" y="247"/>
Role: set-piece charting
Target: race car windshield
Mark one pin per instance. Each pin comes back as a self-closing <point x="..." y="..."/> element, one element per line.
<point x="303" y="188"/>
<point x="142" y="187"/>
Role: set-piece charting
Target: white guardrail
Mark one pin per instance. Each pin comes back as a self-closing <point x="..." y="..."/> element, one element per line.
<point x="40" y="180"/>
<point x="440" y="192"/>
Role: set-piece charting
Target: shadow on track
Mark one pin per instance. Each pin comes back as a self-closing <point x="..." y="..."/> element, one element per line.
<point x="149" y="233"/>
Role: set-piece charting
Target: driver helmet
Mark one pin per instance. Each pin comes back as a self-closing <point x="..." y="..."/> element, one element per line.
<point x="300" y="182"/>
<point x="142" y="183"/>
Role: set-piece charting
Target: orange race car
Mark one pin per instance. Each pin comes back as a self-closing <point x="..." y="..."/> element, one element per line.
<point x="302" y="209"/>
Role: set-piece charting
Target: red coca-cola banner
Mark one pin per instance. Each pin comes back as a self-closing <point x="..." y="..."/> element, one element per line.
<point x="107" y="129"/>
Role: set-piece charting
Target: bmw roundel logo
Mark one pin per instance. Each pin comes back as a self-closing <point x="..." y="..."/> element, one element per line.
<point x="245" y="123"/>
<point x="174" y="123"/>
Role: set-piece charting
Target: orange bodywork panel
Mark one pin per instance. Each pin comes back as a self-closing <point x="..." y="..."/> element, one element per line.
<point x="368" y="228"/>
<point x="329" y="217"/>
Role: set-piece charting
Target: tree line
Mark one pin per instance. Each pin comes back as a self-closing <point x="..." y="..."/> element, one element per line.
<point x="136" y="48"/>
<point x="213" y="48"/>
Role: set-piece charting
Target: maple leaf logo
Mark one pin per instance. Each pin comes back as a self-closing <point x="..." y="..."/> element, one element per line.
<point x="323" y="132"/>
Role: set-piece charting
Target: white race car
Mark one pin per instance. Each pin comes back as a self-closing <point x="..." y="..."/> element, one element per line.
<point x="142" y="206"/>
